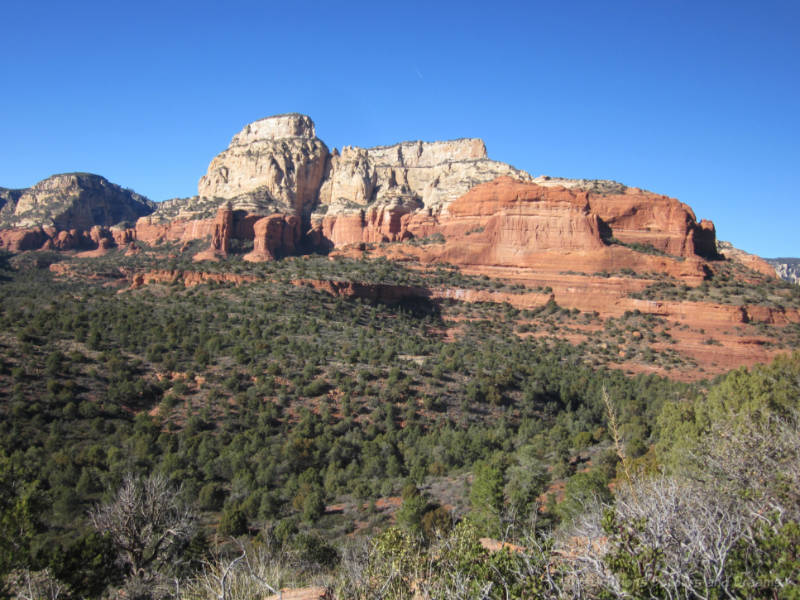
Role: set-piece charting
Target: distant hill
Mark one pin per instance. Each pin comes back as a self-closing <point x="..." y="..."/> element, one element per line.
<point x="72" y="201"/>
<point x="787" y="269"/>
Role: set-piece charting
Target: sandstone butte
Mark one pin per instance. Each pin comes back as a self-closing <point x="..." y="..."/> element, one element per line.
<point x="279" y="187"/>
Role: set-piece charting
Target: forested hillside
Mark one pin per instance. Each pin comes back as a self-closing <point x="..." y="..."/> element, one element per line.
<point x="288" y="436"/>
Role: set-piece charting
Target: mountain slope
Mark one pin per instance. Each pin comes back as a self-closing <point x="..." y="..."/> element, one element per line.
<point x="72" y="201"/>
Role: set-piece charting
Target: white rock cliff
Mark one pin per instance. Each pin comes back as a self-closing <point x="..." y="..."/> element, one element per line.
<point x="278" y="164"/>
<point x="273" y="165"/>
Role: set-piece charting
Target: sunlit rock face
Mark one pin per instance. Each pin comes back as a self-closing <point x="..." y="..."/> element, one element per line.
<point x="72" y="201"/>
<point x="272" y="165"/>
<point x="432" y="174"/>
<point x="278" y="185"/>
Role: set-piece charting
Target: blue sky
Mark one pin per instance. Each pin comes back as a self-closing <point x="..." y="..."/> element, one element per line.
<point x="696" y="100"/>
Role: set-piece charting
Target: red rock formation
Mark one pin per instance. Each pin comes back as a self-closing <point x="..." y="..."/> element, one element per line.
<point x="512" y="223"/>
<point x="666" y="224"/>
<point x="223" y="227"/>
<point x="705" y="239"/>
<point x="220" y="236"/>
<point x="385" y="223"/>
<point x="19" y="239"/>
<point x="751" y="261"/>
<point x="505" y="222"/>
<point x="50" y="238"/>
<point x="274" y="236"/>
<point x="104" y="242"/>
<point x="517" y="225"/>
<point x="150" y="231"/>
<point x="123" y="237"/>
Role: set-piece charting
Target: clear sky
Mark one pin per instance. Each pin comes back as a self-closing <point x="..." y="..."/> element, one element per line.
<point x="694" y="99"/>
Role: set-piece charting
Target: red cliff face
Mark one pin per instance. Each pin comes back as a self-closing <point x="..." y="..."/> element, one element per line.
<point x="223" y="228"/>
<point x="151" y="231"/>
<point x="638" y="217"/>
<point x="220" y="235"/>
<point x="123" y="237"/>
<point x="274" y="236"/>
<point x="506" y="222"/>
<point x="390" y="222"/>
<point x="21" y="239"/>
<point x="50" y="238"/>
<point x="515" y="224"/>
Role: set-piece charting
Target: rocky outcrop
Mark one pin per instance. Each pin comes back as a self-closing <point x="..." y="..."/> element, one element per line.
<point x="277" y="165"/>
<point x="388" y="221"/>
<point x="50" y="238"/>
<point x="152" y="230"/>
<point x="8" y="202"/>
<point x="617" y="213"/>
<point x="274" y="236"/>
<point x="273" y="165"/>
<point x="220" y="235"/>
<point x="549" y="228"/>
<point x="156" y="230"/>
<point x="20" y="239"/>
<point x="73" y="211"/>
<point x="667" y="225"/>
<point x="428" y="174"/>
<point x="73" y="201"/>
<point x="123" y="236"/>
<point x="505" y="219"/>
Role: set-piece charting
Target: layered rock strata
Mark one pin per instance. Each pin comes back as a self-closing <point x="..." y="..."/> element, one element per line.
<point x="431" y="174"/>
<point x="277" y="185"/>
<point x="511" y="223"/>
<point x="273" y="165"/>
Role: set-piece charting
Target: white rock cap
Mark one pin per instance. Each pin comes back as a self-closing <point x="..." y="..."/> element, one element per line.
<point x="275" y="128"/>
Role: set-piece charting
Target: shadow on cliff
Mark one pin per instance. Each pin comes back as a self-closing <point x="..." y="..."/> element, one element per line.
<point x="414" y="300"/>
<point x="419" y="307"/>
<point x="415" y="307"/>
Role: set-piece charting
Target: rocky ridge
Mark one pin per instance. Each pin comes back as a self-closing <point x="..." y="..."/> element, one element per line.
<point x="489" y="213"/>
<point x="72" y="201"/>
<point x="69" y="211"/>
<point x="751" y="261"/>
